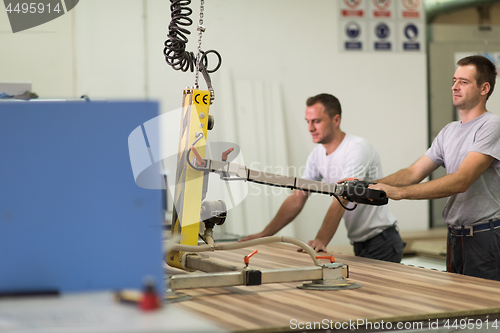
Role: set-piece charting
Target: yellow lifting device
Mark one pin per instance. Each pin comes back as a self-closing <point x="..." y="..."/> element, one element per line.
<point x="191" y="180"/>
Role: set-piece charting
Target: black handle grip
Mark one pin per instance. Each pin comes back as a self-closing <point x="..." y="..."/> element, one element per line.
<point x="358" y="191"/>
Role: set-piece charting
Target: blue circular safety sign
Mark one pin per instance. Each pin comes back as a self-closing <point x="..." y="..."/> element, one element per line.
<point x="352" y="30"/>
<point x="382" y="30"/>
<point x="411" y="32"/>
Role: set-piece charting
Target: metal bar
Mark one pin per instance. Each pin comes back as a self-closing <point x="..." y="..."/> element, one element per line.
<point x="227" y="279"/>
<point x="208" y="265"/>
<point x="268" y="178"/>
<point x="271" y="179"/>
<point x="211" y="280"/>
<point x="292" y="274"/>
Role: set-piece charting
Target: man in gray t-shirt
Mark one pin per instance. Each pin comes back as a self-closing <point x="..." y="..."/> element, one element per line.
<point x="481" y="201"/>
<point x="470" y="151"/>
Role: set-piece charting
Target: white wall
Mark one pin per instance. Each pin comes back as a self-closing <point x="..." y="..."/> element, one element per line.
<point x="42" y="55"/>
<point x="291" y="44"/>
<point x="110" y="57"/>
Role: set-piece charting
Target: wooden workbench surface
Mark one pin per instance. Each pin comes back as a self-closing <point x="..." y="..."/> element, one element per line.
<point x="392" y="292"/>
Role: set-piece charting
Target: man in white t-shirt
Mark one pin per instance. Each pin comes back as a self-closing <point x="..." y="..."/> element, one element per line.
<point x="371" y="229"/>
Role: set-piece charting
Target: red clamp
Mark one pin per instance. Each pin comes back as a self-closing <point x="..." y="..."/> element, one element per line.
<point x="226" y="153"/>
<point x="201" y="162"/>
<point x="247" y="257"/>
<point x="332" y="258"/>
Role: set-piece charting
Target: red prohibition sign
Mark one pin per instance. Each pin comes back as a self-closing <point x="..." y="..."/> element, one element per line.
<point x="352" y="3"/>
<point x="411" y="4"/>
<point x="382" y="4"/>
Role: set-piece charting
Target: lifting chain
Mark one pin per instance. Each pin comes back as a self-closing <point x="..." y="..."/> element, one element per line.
<point x="201" y="30"/>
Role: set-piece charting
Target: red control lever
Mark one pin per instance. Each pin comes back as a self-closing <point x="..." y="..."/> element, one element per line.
<point x="247" y="257"/>
<point x="201" y="162"/>
<point x="332" y="258"/>
<point x="226" y="153"/>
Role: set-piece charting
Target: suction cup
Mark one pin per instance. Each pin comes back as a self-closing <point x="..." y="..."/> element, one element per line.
<point x="337" y="284"/>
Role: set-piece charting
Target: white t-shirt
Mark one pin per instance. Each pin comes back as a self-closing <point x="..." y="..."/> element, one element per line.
<point x="355" y="157"/>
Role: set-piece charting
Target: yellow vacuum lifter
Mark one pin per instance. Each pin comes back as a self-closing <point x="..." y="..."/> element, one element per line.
<point x="190" y="188"/>
<point x="188" y="181"/>
<point x="190" y="191"/>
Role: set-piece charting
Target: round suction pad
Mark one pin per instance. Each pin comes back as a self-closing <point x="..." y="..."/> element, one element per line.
<point x="340" y="284"/>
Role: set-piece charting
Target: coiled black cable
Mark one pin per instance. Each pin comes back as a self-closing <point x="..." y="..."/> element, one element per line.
<point x="175" y="46"/>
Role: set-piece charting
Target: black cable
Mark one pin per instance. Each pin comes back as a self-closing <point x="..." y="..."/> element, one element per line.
<point x="175" y="46"/>
<point x="340" y="202"/>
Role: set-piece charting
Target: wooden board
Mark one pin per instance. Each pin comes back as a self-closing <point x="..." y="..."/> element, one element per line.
<point x="430" y="248"/>
<point x="430" y="242"/>
<point x="415" y="243"/>
<point x="392" y="292"/>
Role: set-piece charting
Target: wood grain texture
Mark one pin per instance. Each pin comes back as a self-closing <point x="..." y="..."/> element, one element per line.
<point x="392" y="292"/>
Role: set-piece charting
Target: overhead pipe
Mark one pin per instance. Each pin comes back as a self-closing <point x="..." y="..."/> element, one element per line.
<point x="435" y="9"/>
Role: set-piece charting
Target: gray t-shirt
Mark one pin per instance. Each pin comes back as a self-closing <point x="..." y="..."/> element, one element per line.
<point x="481" y="201"/>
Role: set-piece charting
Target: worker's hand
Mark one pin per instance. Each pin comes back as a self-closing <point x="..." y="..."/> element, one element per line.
<point x="391" y="192"/>
<point x="346" y="179"/>
<point x="317" y="245"/>
<point x="253" y="236"/>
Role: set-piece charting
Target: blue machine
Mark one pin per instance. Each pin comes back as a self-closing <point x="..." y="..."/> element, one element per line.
<point x="71" y="215"/>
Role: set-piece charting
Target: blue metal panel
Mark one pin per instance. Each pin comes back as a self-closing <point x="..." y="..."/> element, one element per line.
<point x="71" y="216"/>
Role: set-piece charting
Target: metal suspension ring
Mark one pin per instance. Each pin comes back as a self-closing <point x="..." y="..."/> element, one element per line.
<point x="204" y="60"/>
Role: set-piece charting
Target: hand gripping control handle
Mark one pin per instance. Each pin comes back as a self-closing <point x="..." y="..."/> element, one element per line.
<point x="357" y="191"/>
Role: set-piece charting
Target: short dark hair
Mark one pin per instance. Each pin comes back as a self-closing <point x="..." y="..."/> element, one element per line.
<point x="330" y="102"/>
<point x="485" y="70"/>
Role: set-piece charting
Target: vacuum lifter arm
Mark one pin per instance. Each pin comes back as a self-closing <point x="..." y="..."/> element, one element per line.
<point x="352" y="190"/>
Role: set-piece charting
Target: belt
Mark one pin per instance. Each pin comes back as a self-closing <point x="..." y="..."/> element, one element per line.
<point x="470" y="230"/>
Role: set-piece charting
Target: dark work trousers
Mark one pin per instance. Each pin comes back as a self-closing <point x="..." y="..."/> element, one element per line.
<point x="387" y="246"/>
<point x="477" y="255"/>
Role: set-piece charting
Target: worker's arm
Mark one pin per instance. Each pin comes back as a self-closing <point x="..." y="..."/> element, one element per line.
<point x="469" y="170"/>
<point x="422" y="168"/>
<point x="289" y="209"/>
<point x="329" y="227"/>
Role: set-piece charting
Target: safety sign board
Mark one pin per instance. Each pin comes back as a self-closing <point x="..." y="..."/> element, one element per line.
<point x="412" y="36"/>
<point x="352" y="8"/>
<point x="411" y="9"/>
<point x="381" y="25"/>
<point x="353" y="35"/>
<point x="382" y="35"/>
<point x="381" y="9"/>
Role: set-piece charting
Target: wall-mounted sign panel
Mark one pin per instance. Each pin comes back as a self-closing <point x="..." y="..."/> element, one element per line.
<point x="411" y="9"/>
<point x="411" y="36"/>
<point x="382" y="35"/>
<point x="382" y="25"/>
<point x="381" y="9"/>
<point x="354" y="35"/>
<point x="352" y="8"/>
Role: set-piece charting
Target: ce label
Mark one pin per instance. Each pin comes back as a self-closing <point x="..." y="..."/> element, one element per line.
<point x="204" y="99"/>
